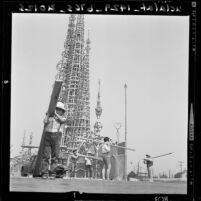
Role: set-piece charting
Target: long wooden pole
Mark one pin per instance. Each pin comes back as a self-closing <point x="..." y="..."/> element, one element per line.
<point x="52" y="105"/>
<point x="99" y="141"/>
<point x="127" y="148"/>
<point x="162" y="155"/>
<point x="86" y="156"/>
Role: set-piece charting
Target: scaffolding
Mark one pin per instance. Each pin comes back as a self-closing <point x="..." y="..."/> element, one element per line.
<point x="73" y="69"/>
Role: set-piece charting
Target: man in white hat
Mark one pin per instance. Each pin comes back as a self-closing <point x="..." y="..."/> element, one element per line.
<point x="52" y="139"/>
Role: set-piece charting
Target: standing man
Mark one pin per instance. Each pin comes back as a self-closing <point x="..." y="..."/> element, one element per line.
<point x="88" y="165"/>
<point x="92" y="151"/>
<point x="53" y="132"/>
<point x="74" y="158"/>
<point x="149" y="162"/>
<point x="106" y="158"/>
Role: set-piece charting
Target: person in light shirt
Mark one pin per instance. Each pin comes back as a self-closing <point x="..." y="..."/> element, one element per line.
<point x="88" y="165"/>
<point x="53" y="131"/>
<point x="106" y="158"/>
<point x="149" y="163"/>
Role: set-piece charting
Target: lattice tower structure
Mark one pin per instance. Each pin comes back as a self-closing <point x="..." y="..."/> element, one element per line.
<point x="64" y="66"/>
<point x="73" y="69"/>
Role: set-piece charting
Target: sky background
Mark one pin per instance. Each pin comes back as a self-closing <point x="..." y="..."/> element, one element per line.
<point x="148" y="53"/>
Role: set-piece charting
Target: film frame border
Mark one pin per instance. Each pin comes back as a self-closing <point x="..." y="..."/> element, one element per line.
<point x="166" y="7"/>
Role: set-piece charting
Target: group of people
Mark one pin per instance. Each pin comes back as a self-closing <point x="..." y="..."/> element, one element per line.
<point x="105" y="163"/>
<point x="50" y="156"/>
<point x="92" y="160"/>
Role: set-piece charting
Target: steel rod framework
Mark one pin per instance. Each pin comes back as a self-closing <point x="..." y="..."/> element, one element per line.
<point x="73" y="69"/>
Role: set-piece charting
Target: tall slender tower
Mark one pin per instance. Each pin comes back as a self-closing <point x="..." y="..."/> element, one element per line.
<point x="98" y="107"/>
<point x="98" y="126"/>
<point x="73" y="69"/>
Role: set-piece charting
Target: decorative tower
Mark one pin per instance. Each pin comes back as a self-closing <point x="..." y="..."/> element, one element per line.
<point x="98" y="126"/>
<point x="73" y="69"/>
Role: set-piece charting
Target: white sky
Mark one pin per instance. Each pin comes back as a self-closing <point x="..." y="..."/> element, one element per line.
<point x="148" y="53"/>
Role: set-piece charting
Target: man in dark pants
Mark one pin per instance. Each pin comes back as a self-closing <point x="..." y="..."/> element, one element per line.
<point x="88" y="165"/>
<point x="74" y="158"/>
<point x="92" y="151"/>
<point x="149" y="162"/>
<point x="53" y="134"/>
<point x="106" y="158"/>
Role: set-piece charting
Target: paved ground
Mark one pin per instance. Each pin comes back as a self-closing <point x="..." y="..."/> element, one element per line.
<point x="96" y="186"/>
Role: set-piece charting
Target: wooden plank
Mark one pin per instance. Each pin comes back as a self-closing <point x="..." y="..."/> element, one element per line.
<point x="52" y="105"/>
<point x="29" y="146"/>
<point x="54" y="97"/>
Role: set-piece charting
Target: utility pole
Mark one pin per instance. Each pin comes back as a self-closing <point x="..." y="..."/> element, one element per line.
<point x="169" y="172"/>
<point x="181" y="165"/>
<point x="125" y="166"/>
<point x="24" y="138"/>
<point x="138" y="168"/>
<point x="30" y="143"/>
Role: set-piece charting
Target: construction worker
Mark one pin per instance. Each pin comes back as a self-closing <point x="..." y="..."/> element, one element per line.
<point x="106" y="158"/>
<point x="53" y="132"/>
<point x="149" y="163"/>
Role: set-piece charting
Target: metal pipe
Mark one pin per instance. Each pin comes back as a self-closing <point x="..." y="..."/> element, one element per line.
<point x="125" y="170"/>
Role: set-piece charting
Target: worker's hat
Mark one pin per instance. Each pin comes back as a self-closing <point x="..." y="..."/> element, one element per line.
<point x="148" y="156"/>
<point x="60" y="105"/>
